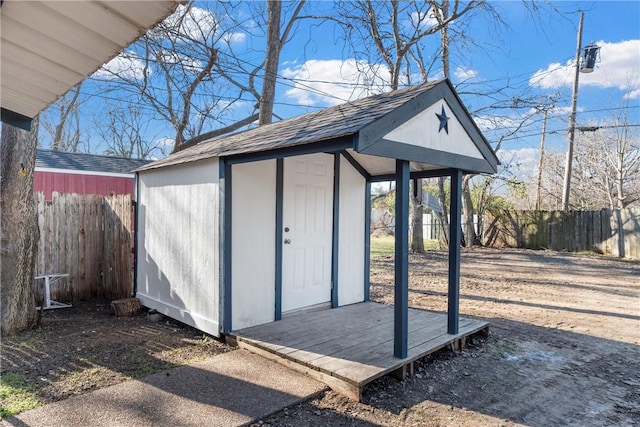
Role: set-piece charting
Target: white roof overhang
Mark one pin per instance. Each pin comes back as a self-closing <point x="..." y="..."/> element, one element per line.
<point x="48" y="47"/>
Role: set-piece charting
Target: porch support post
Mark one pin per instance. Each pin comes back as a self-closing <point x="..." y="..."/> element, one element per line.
<point x="401" y="270"/>
<point x="136" y="242"/>
<point x="279" y="237"/>
<point x="367" y="241"/>
<point x="225" y="237"/>
<point x="335" y="239"/>
<point x="453" y="310"/>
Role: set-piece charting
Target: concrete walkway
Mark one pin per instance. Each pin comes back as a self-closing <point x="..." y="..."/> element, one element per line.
<point x="230" y="389"/>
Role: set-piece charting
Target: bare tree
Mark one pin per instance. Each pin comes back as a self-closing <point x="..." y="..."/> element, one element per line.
<point x="606" y="173"/>
<point x="62" y="122"/>
<point x="395" y="30"/>
<point x="126" y="133"/>
<point x="169" y="70"/>
<point x="607" y="167"/>
<point x="246" y="77"/>
<point x="188" y="72"/>
<point x="18" y="228"/>
<point x="620" y="144"/>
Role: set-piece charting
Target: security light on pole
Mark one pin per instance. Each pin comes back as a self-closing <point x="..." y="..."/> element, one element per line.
<point x="590" y="58"/>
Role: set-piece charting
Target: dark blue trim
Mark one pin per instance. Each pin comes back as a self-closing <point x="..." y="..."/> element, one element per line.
<point x="372" y="137"/>
<point x="415" y="175"/>
<point x="414" y="153"/>
<point x="357" y="166"/>
<point x="335" y="246"/>
<point x="455" y="212"/>
<point x="226" y="236"/>
<point x="279" y="237"/>
<point x="330" y="146"/>
<point x="221" y="168"/>
<point x="401" y="269"/>
<point x="136" y="243"/>
<point x="367" y="241"/>
<point x="15" y="119"/>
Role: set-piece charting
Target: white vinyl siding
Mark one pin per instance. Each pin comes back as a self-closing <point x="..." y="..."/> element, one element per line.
<point x="178" y="243"/>
<point x="351" y="235"/>
<point x="253" y="223"/>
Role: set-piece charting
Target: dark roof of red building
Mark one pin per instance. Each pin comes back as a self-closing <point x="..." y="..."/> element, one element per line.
<point x="53" y="159"/>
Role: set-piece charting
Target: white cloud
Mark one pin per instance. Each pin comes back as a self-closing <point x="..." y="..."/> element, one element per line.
<point x="194" y="24"/>
<point x="187" y="63"/>
<point x="490" y="123"/>
<point x="423" y="21"/>
<point x="523" y="161"/>
<point x="334" y="81"/>
<point x="126" y="65"/>
<point x="618" y="67"/>
<point x="166" y="142"/>
<point x="634" y="94"/>
<point x="464" y="74"/>
<point x="186" y="25"/>
<point x="234" y="37"/>
<point x="554" y="76"/>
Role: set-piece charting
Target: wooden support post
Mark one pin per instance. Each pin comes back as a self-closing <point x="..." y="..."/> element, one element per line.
<point x="279" y="237"/>
<point x="455" y="212"/>
<point x="225" y="188"/>
<point x="336" y="231"/>
<point x="401" y="268"/>
<point x="367" y="242"/>
<point x="403" y="372"/>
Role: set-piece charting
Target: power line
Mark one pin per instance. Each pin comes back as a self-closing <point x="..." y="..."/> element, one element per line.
<point x="558" y="131"/>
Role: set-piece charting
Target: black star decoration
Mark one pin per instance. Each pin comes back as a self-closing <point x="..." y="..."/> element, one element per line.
<point x="444" y="121"/>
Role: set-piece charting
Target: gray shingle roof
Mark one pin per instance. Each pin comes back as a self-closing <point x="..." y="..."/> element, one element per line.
<point x="54" y="159"/>
<point x="333" y="122"/>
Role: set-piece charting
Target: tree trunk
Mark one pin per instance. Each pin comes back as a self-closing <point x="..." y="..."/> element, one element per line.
<point x="271" y="62"/>
<point x="417" y="240"/>
<point x="620" y="180"/>
<point x="470" y="236"/>
<point x="444" y="45"/>
<point x="444" y="210"/>
<point x="19" y="231"/>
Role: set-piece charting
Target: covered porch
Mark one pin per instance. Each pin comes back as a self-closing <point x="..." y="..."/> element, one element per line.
<point x="348" y="347"/>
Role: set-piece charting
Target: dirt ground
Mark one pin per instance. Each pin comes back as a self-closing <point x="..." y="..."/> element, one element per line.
<point x="564" y="348"/>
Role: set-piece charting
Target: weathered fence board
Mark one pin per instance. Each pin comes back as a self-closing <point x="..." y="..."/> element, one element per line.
<point x="89" y="238"/>
<point x="615" y="233"/>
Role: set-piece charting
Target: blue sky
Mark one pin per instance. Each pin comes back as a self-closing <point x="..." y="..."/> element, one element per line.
<point x="513" y="56"/>
<point x="531" y="57"/>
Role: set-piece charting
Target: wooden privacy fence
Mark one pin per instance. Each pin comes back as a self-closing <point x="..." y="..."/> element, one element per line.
<point x="610" y="232"/>
<point x="89" y="238"/>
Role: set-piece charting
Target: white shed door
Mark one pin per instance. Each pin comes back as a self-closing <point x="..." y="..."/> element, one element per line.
<point x="307" y="230"/>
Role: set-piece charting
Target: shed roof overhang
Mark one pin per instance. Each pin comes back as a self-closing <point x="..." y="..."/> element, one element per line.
<point x="426" y="125"/>
<point x="48" y="47"/>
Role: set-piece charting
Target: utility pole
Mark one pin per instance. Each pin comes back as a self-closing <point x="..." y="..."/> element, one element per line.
<point x="572" y="122"/>
<point x="544" y="132"/>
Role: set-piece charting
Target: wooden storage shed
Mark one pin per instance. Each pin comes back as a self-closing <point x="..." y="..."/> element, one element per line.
<point x="244" y="229"/>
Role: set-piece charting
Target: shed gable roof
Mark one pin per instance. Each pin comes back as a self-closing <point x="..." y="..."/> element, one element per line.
<point x="367" y="120"/>
<point x="53" y="159"/>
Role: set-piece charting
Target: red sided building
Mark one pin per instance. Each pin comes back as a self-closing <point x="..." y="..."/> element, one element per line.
<point x="83" y="173"/>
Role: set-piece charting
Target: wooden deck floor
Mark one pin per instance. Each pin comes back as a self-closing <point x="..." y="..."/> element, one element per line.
<point x="351" y="346"/>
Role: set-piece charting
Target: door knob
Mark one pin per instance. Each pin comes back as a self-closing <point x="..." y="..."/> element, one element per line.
<point x="287" y="241"/>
